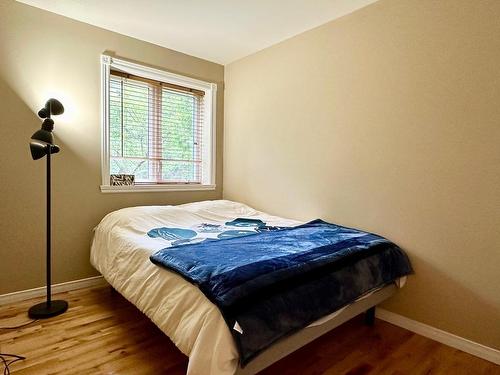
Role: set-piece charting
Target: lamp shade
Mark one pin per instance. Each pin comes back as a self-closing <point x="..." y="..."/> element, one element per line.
<point x="52" y="107"/>
<point x="43" y="135"/>
<point x="38" y="149"/>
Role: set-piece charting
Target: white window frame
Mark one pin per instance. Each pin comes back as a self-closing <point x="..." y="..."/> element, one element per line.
<point x="209" y="125"/>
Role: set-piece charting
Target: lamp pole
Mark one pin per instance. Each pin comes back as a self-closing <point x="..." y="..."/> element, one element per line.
<point x="42" y="144"/>
<point x="49" y="229"/>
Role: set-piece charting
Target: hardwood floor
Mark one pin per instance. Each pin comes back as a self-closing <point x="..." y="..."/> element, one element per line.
<point x="102" y="333"/>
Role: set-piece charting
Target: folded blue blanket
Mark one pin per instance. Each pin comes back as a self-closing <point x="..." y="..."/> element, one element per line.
<point x="274" y="283"/>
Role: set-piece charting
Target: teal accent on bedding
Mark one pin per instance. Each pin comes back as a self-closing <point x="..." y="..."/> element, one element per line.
<point x="234" y="233"/>
<point x="171" y="234"/>
<point x="244" y="222"/>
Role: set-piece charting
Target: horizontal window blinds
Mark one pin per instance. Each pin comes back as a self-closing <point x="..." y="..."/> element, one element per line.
<point x="155" y="130"/>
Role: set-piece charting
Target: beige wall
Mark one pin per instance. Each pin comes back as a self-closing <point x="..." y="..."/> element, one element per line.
<point x="387" y="119"/>
<point x="43" y="55"/>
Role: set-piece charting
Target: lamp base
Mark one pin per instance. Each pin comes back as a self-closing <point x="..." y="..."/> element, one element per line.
<point x="44" y="310"/>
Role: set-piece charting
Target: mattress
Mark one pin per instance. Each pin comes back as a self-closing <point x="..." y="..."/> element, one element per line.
<point x="120" y="252"/>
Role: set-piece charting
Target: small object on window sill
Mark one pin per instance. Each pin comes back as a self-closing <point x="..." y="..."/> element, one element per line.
<point x="122" y="179"/>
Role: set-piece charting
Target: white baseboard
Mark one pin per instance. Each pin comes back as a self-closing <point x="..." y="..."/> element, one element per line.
<point x="56" y="288"/>
<point x="457" y="342"/>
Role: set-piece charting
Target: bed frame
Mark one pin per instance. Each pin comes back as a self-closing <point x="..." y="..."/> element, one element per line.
<point x="297" y="340"/>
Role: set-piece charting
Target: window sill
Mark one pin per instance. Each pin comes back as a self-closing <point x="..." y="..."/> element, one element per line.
<point x="154" y="188"/>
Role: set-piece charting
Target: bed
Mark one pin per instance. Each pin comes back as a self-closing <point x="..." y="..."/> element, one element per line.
<point x="121" y="249"/>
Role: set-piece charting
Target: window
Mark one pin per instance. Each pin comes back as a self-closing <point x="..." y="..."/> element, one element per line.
<point x="157" y="126"/>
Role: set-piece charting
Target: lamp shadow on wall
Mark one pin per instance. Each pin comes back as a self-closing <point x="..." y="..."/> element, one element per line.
<point x="22" y="212"/>
<point x="22" y="122"/>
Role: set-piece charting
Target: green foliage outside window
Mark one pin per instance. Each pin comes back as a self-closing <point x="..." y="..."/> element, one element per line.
<point x="131" y="122"/>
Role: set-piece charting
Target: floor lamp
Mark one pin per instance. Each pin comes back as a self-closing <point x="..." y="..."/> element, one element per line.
<point x="42" y="144"/>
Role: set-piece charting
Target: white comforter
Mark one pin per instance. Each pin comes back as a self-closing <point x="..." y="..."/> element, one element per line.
<point x="120" y="252"/>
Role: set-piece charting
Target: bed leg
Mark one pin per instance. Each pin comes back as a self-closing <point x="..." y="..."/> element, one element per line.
<point x="370" y="316"/>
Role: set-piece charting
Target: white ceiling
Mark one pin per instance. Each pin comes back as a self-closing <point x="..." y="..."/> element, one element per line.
<point x="217" y="30"/>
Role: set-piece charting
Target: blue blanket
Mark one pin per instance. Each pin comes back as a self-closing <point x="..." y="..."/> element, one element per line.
<point x="274" y="283"/>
